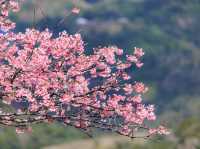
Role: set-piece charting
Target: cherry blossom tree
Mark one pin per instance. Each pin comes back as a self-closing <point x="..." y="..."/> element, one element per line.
<point x="46" y="79"/>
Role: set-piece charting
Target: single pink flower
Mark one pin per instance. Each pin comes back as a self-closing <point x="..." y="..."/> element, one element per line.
<point x="75" y="10"/>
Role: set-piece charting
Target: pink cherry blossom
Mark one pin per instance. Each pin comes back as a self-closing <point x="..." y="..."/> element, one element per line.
<point x="119" y="51"/>
<point x="60" y="82"/>
<point x="128" y="88"/>
<point x="138" y="52"/>
<point x="139" y="64"/>
<point x="140" y="87"/>
<point x="132" y="58"/>
<point x="76" y="10"/>
<point x="137" y="99"/>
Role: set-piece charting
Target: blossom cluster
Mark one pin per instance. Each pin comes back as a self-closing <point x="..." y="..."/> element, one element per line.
<point x="49" y="78"/>
<point x="5" y="7"/>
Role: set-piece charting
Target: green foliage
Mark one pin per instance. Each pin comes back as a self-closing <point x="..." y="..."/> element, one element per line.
<point x="8" y="139"/>
<point x="42" y="135"/>
<point x="46" y="134"/>
<point x="189" y="128"/>
<point x="156" y="144"/>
